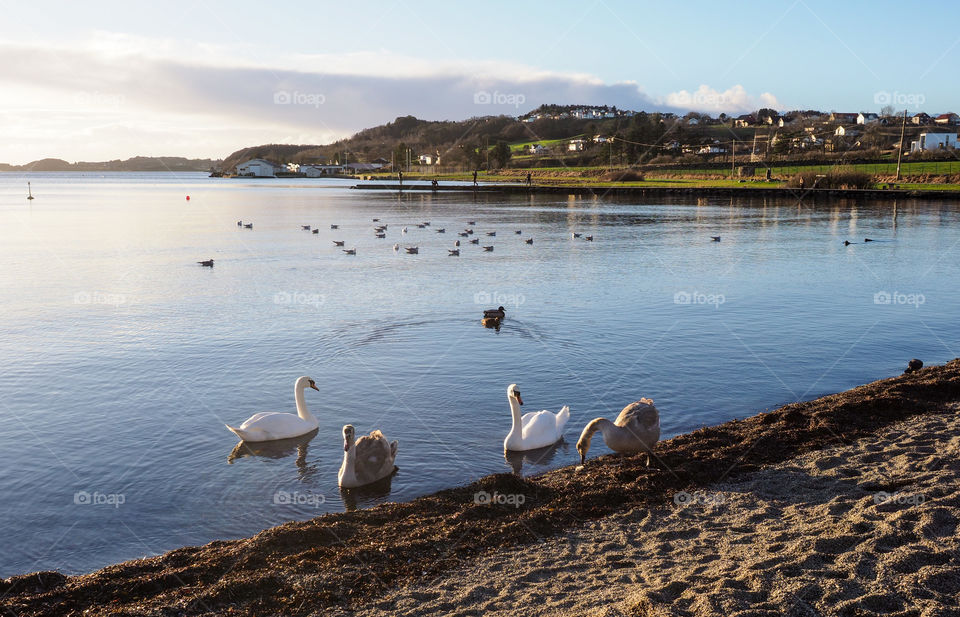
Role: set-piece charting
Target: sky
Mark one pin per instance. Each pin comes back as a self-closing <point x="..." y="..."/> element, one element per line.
<point x="97" y="81"/>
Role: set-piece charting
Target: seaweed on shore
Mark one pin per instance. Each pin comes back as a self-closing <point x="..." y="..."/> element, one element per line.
<point x="351" y="558"/>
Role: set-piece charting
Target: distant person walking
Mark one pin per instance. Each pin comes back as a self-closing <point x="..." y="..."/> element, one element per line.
<point x="802" y="183"/>
<point x="474" y="177"/>
<point x="400" y="176"/>
<point x="528" y="179"/>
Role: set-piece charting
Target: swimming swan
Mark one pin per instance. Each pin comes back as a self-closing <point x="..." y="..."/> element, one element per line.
<point x="367" y="459"/>
<point x="270" y="425"/>
<point x="534" y="429"/>
<point x="636" y="429"/>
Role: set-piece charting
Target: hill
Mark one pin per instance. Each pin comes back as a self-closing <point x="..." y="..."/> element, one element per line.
<point x="455" y="141"/>
<point x="137" y="163"/>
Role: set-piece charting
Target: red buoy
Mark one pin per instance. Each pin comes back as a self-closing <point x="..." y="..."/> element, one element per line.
<point x="188" y="198"/>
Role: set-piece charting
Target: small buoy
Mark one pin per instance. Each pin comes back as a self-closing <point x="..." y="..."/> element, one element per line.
<point x="188" y="198"/>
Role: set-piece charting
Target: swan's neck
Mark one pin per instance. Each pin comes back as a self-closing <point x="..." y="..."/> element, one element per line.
<point x="346" y="468"/>
<point x="302" y="403"/>
<point x="515" y="415"/>
<point x="604" y="426"/>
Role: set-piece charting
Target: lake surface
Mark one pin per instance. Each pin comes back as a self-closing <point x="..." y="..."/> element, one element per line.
<point x="121" y="358"/>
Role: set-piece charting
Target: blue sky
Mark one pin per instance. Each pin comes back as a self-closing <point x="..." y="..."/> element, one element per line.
<point x="98" y="80"/>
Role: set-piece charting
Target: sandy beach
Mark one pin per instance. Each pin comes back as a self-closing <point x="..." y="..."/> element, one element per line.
<point x="844" y="505"/>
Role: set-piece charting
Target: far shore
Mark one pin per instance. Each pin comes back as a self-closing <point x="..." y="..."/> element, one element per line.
<point x="365" y="561"/>
<point x="625" y="189"/>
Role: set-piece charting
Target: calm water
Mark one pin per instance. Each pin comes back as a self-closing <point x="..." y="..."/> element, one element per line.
<point x="121" y="359"/>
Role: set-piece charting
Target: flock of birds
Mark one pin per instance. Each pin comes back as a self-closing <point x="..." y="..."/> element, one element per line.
<point x="380" y="232"/>
<point x="371" y="458"/>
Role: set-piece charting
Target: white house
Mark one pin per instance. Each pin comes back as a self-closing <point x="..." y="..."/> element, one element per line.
<point x="863" y="118"/>
<point x="711" y="149"/>
<point x="948" y="118"/>
<point x="536" y="149"/>
<point x="316" y="171"/>
<point x="602" y="139"/>
<point x="293" y="167"/>
<point x="426" y="159"/>
<point x="933" y="141"/>
<point x="845" y="132"/>
<point x="575" y="145"/>
<point x="258" y="168"/>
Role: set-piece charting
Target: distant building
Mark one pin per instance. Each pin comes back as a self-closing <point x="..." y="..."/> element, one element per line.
<point x="358" y="167"/>
<point x="745" y="120"/>
<point x="426" y="159"/>
<point x="933" y="141"/>
<point x="537" y="149"/>
<point x="843" y="118"/>
<point x="602" y="139"/>
<point x="845" y="132"/>
<point x="863" y="118"/>
<point x="948" y="119"/>
<point x="259" y="168"/>
<point x="920" y="119"/>
<point x="316" y="171"/>
<point x="576" y="145"/>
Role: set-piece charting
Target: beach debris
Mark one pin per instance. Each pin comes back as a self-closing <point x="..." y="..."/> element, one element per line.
<point x="914" y="365"/>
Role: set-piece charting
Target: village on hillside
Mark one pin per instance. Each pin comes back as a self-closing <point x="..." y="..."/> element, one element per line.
<point x="601" y="135"/>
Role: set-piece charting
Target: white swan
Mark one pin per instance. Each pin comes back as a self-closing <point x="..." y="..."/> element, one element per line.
<point x="535" y="429"/>
<point x="636" y="429"/>
<point x="367" y="459"/>
<point x="270" y="425"/>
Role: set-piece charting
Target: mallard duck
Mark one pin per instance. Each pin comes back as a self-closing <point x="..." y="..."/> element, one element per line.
<point x="475" y="241"/>
<point x="529" y="240"/>
<point x="316" y="231"/>
<point x="454" y="252"/>
<point x="305" y="227"/>
<point x="497" y="313"/>
<point x="339" y="242"/>
<point x="413" y="250"/>
<point x="350" y="251"/>
<point x="488" y="249"/>
<point x="491" y="233"/>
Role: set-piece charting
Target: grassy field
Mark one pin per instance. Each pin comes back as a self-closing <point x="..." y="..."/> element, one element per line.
<point x="567" y="176"/>
<point x="920" y="167"/>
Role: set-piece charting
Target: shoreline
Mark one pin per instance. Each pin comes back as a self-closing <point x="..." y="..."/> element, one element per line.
<point x="350" y="560"/>
<point x="658" y="191"/>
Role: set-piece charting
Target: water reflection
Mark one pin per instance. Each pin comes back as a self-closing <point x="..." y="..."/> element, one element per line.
<point x="369" y="495"/>
<point x="278" y="449"/>
<point x="539" y="457"/>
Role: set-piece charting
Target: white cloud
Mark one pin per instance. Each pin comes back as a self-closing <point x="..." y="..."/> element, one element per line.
<point x="733" y="100"/>
<point x="118" y="95"/>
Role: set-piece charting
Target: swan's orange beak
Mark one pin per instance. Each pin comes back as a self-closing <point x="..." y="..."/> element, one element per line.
<point x="314" y="386"/>
<point x="346" y="445"/>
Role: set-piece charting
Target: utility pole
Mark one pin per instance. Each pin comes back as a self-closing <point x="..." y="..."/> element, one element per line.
<point x="733" y="157"/>
<point x="903" y="127"/>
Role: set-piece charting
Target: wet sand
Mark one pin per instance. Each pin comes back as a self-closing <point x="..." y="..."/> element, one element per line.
<point x="775" y="514"/>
